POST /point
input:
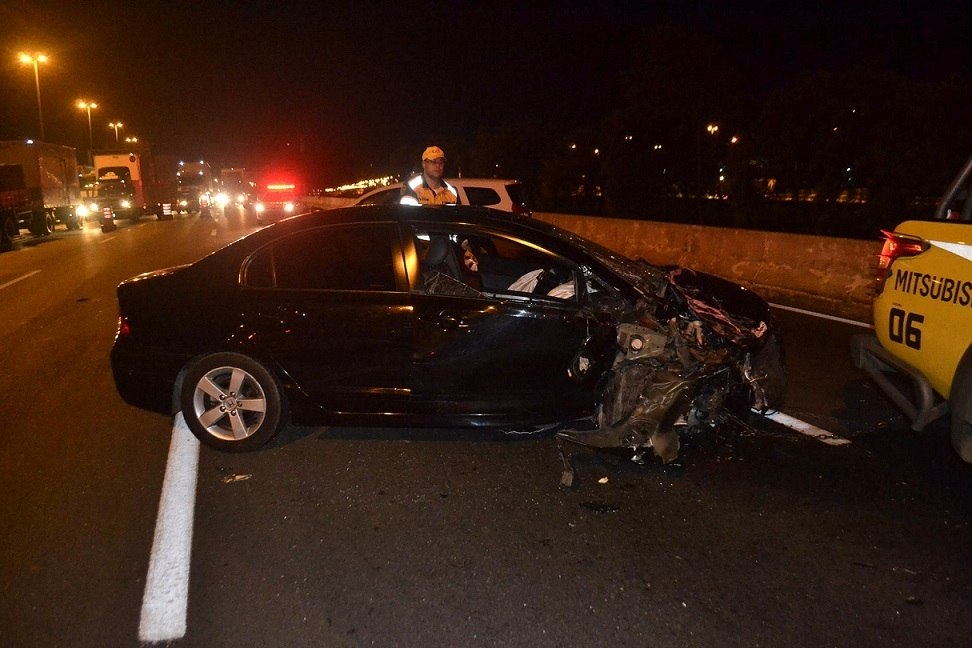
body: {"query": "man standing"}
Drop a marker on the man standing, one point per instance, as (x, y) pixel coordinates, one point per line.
(429, 188)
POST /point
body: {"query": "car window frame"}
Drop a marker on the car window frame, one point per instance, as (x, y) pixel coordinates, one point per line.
(417, 287)
(397, 260)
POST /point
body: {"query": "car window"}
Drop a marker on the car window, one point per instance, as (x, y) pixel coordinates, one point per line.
(459, 262)
(482, 196)
(387, 197)
(358, 257)
(516, 194)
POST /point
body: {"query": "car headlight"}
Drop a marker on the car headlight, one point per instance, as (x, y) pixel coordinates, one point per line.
(222, 199)
(258, 208)
(289, 207)
(241, 198)
(82, 212)
(183, 203)
(93, 207)
(126, 204)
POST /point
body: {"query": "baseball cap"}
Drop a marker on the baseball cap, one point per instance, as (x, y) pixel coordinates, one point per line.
(433, 153)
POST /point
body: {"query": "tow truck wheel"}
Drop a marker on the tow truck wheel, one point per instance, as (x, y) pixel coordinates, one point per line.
(960, 402)
(962, 438)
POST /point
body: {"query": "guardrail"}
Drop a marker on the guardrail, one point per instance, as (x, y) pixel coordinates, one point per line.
(820, 273)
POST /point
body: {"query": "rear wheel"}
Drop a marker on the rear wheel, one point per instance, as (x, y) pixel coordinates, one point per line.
(231, 402)
(41, 223)
(10, 228)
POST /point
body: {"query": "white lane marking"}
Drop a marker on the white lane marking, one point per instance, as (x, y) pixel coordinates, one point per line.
(822, 315)
(166, 598)
(807, 429)
(13, 281)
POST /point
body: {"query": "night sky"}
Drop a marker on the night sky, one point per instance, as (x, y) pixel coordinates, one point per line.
(239, 82)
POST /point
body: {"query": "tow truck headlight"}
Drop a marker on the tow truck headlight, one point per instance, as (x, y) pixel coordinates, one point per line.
(126, 204)
(258, 208)
(82, 212)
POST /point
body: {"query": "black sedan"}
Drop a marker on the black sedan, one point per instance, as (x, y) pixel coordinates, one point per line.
(453, 316)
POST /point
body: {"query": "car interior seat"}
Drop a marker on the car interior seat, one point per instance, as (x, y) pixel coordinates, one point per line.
(441, 257)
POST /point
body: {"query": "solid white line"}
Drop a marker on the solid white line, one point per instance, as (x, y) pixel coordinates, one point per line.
(13, 281)
(166, 598)
(822, 315)
(807, 429)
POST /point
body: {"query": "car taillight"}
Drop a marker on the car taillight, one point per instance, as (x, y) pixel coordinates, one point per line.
(895, 247)
(124, 330)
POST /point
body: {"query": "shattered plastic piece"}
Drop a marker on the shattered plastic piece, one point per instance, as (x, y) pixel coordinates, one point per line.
(229, 479)
(600, 508)
(602, 480)
(567, 476)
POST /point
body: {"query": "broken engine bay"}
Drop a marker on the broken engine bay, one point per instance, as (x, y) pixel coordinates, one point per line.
(684, 363)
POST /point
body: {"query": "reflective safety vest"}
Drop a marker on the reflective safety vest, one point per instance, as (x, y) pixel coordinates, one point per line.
(418, 192)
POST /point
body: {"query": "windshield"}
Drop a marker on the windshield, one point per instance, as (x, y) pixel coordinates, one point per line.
(113, 188)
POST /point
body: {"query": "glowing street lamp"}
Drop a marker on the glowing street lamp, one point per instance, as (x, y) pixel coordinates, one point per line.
(34, 59)
(86, 105)
(116, 126)
(131, 140)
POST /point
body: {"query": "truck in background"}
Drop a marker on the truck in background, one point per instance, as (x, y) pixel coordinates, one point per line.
(195, 186)
(39, 188)
(235, 188)
(127, 182)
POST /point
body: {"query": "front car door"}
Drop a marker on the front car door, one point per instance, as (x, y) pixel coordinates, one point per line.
(499, 343)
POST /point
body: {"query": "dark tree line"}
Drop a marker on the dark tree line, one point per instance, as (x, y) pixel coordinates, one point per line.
(841, 153)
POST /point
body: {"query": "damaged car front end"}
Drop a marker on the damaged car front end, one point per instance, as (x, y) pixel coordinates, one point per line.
(694, 352)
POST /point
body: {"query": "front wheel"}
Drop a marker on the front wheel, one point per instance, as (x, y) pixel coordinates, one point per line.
(232, 403)
(962, 437)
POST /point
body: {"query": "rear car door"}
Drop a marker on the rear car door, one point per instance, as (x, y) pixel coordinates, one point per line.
(335, 308)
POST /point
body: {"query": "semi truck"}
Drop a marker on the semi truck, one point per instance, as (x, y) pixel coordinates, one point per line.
(127, 182)
(39, 188)
(195, 186)
(234, 185)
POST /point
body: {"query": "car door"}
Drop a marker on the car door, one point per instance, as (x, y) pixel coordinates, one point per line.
(336, 314)
(487, 352)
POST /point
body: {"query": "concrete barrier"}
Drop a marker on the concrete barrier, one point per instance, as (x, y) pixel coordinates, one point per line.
(820, 273)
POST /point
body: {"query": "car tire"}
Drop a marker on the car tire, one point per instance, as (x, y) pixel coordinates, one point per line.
(11, 228)
(210, 398)
(962, 437)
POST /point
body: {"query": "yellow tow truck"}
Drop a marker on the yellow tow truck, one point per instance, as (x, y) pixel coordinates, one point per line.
(923, 316)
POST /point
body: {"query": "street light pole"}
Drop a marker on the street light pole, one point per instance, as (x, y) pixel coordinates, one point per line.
(35, 59)
(116, 126)
(87, 106)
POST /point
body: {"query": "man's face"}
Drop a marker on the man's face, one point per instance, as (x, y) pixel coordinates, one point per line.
(434, 168)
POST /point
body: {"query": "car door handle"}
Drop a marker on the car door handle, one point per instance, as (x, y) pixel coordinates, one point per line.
(450, 320)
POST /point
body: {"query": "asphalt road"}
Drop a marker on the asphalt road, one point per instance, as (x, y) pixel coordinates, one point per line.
(352, 537)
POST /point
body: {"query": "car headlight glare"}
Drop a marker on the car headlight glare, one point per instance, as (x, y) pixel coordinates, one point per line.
(126, 204)
(258, 208)
(289, 207)
(82, 211)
